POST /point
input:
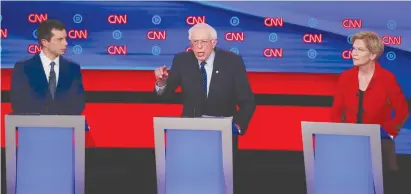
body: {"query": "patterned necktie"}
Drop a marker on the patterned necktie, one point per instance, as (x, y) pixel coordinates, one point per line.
(204, 75)
(52, 80)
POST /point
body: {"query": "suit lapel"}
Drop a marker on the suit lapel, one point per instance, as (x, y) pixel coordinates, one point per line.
(215, 75)
(195, 73)
(195, 65)
(37, 76)
(64, 79)
(214, 78)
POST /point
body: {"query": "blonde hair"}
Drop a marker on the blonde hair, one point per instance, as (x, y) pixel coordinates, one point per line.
(371, 40)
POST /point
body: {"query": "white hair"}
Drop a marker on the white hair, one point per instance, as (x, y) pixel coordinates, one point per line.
(212, 31)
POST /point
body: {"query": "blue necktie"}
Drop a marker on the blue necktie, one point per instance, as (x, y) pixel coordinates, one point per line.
(204, 75)
(52, 80)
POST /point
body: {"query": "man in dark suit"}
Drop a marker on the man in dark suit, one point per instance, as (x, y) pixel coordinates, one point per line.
(213, 82)
(47, 83)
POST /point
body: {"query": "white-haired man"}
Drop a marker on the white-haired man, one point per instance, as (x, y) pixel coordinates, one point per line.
(213, 82)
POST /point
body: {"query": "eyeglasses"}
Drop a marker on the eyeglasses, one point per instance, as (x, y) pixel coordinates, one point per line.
(200, 42)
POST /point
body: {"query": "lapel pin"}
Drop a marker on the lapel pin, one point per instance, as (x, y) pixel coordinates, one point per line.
(216, 71)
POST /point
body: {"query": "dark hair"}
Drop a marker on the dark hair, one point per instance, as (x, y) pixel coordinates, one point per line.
(45, 28)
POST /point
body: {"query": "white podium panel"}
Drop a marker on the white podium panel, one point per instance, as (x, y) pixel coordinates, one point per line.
(194, 155)
(49, 157)
(342, 158)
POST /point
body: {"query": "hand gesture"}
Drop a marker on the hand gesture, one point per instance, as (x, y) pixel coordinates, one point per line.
(161, 74)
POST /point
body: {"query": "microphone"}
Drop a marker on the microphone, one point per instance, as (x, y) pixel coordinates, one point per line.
(194, 114)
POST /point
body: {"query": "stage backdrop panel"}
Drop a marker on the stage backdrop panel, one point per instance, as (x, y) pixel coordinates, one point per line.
(270, 36)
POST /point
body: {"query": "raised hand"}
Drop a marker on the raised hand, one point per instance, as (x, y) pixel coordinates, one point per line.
(161, 74)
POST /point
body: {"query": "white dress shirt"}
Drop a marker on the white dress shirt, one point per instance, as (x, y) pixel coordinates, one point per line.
(209, 70)
(47, 67)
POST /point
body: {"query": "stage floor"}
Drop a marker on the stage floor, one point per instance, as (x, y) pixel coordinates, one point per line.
(132, 171)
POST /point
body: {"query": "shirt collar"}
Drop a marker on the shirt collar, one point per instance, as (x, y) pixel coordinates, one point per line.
(209, 60)
(46, 61)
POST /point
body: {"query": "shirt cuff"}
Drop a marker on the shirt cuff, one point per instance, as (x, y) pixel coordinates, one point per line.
(160, 90)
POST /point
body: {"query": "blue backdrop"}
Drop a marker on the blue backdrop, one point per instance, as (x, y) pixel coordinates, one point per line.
(93, 37)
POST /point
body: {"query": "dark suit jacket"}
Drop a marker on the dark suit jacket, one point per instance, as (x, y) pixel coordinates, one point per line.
(382, 96)
(229, 87)
(30, 93)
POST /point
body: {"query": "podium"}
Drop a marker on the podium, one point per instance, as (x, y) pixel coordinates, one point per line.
(47, 156)
(345, 158)
(193, 155)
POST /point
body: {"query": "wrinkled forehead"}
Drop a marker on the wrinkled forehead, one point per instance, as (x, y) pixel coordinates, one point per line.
(201, 34)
